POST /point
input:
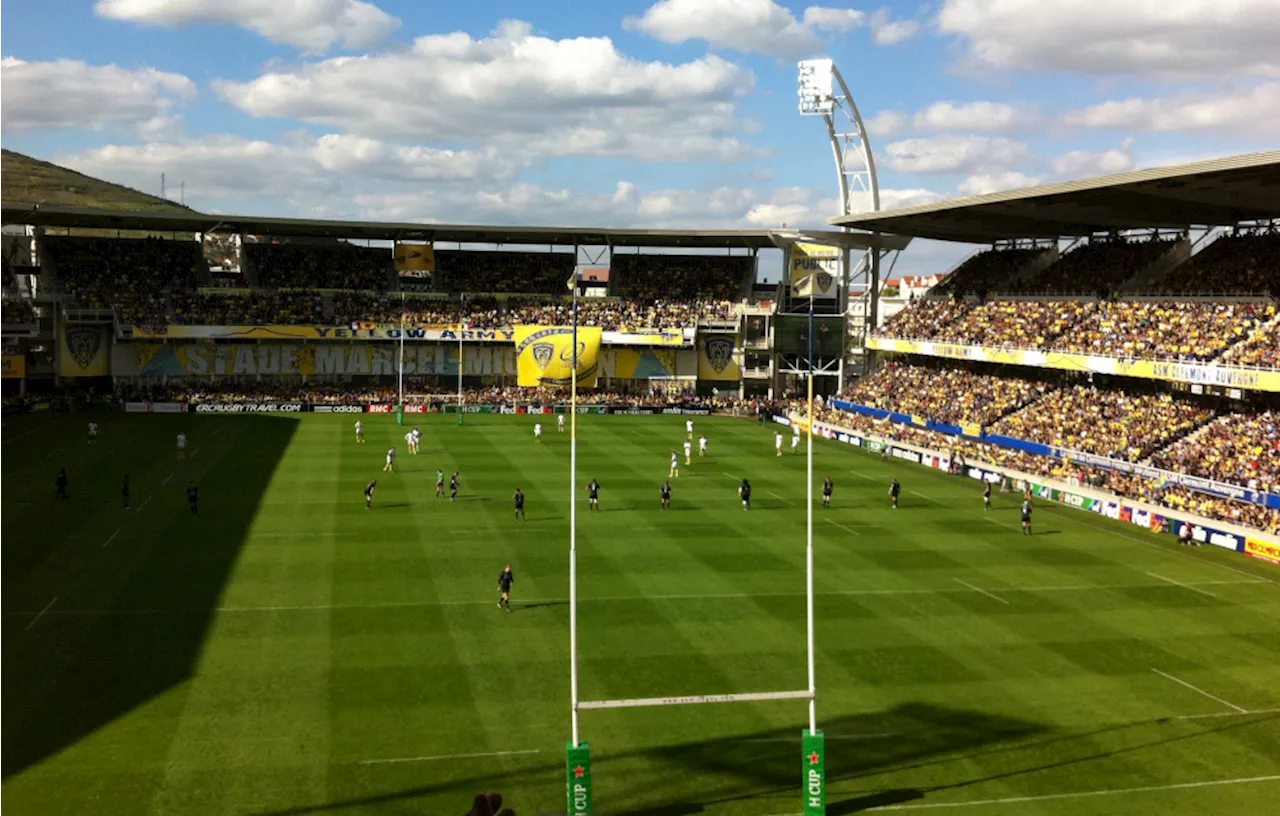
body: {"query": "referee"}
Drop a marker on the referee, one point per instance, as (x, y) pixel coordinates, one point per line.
(505, 580)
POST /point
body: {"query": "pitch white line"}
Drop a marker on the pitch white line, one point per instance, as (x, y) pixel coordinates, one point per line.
(144, 504)
(776, 496)
(448, 756)
(195, 452)
(862, 475)
(1200, 691)
(1072, 518)
(983, 591)
(1081, 794)
(1179, 583)
(41, 615)
(608, 599)
(727, 473)
(113, 537)
(1226, 714)
(921, 495)
(848, 530)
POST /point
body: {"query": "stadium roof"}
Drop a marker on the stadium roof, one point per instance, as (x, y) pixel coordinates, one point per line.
(1219, 192)
(79, 218)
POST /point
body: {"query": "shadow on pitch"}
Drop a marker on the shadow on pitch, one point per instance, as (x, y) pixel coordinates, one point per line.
(60, 688)
(764, 764)
(523, 607)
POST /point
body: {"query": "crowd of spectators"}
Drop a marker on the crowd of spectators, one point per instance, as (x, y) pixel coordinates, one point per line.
(1181, 331)
(986, 271)
(534, 273)
(1095, 268)
(618, 315)
(319, 266)
(1022, 323)
(951, 395)
(18, 311)
(133, 275)
(1241, 449)
(682, 278)
(1173, 496)
(1107, 423)
(924, 319)
(283, 307)
(1261, 350)
(1243, 263)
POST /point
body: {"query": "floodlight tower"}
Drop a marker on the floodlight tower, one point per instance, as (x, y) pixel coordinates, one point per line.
(823, 92)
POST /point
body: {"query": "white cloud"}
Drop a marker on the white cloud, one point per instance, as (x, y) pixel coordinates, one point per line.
(886, 31)
(760, 26)
(982, 183)
(955, 154)
(627, 206)
(228, 167)
(69, 95)
(1174, 38)
(516, 91)
(887, 123)
(968, 116)
(1084, 164)
(312, 25)
(1252, 113)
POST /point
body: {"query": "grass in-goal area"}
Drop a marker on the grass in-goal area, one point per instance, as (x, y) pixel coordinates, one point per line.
(288, 652)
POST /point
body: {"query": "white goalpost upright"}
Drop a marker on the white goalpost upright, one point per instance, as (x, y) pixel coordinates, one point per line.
(578, 752)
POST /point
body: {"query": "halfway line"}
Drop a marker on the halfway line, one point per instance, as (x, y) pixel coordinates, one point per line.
(166, 480)
(113, 537)
(447, 756)
(983, 591)
(1200, 691)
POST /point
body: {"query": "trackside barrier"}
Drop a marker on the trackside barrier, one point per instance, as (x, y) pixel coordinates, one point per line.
(1156, 519)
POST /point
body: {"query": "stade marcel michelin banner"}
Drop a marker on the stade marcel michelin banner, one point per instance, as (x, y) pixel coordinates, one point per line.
(545, 356)
(1217, 375)
(815, 270)
(444, 333)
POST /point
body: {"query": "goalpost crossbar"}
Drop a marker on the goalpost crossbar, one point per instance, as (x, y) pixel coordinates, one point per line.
(644, 702)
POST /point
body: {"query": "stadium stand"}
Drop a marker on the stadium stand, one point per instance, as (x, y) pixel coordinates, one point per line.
(1261, 350)
(1095, 268)
(985, 271)
(687, 278)
(924, 319)
(1245, 262)
(285, 307)
(514, 272)
(1023, 323)
(1241, 449)
(1104, 422)
(1181, 331)
(18, 311)
(133, 275)
(319, 266)
(949, 395)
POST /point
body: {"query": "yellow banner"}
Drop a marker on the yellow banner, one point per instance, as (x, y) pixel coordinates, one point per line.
(971, 429)
(544, 355)
(1263, 550)
(15, 366)
(449, 333)
(85, 351)
(1222, 376)
(716, 358)
(415, 260)
(815, 270)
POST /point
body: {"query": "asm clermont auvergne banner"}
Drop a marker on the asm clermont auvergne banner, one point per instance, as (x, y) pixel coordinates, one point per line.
(544, 355)
(716, 357)
(86, 350)
(815, 269)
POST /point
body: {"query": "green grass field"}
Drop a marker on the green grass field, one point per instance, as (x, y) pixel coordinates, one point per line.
(288, 652)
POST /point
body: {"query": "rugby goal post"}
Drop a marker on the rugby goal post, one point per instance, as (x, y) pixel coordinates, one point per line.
(578, 752)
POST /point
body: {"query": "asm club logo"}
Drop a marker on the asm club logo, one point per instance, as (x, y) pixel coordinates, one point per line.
(542, 354)
(719, 352)
(83, 342)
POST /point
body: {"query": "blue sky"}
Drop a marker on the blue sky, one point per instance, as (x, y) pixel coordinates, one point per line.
(677, 113)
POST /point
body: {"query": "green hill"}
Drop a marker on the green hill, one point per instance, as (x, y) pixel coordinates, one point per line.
(32, 181)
